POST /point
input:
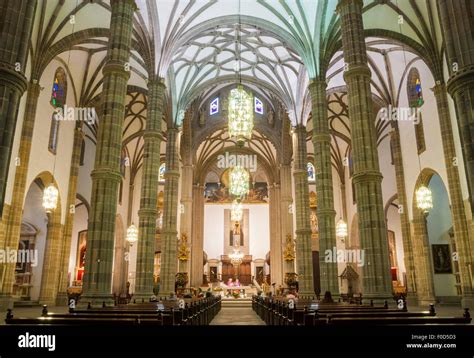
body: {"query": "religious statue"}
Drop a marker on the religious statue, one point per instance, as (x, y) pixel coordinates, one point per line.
(289, 253)
(183, 251)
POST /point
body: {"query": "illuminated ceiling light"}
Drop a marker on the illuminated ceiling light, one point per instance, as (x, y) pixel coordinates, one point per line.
(341, 229)
(236, 257)
(240, 115)
(132, 234)
(236, 211)
(239, 181)
(424, 198)
(50, 198)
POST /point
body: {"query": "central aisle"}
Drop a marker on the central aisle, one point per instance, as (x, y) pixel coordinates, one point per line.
(237, 314)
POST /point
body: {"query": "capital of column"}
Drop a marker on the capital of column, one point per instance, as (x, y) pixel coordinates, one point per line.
(152, 134)
(147, 212)
(367, 176)
(156, 81)
(439, 88)
(119, 2)
(302, 232)
(463, 78)
(116, 68)
(344, 3)
(169, 173)
(13, 79)
(321, 137)
(106, 174)
(357, 70)
(168, 232)
(326, 212)
(317, 85)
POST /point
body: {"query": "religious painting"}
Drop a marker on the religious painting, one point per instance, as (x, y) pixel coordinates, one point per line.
(219, 193)
(441, 259)
(311, 172)
(215, 193)
(258, 194)
(81, 254)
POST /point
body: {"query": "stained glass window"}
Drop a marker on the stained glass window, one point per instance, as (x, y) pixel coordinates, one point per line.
(214, 106)
(414, 90)
(161, 176)
(311, 172)
(258, 106)
(58, 92)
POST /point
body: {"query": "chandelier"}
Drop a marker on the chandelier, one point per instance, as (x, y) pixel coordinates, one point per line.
(424, 198)
(132, 234)
(341, 229)
(240, 114)
(236, 211)
(239, 181)
(50, 198)
(236, 257)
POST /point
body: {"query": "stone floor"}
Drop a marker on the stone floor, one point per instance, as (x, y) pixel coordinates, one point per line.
(242, 316)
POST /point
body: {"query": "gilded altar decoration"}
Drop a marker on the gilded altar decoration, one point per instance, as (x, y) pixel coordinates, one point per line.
(183, 251)
(291, 279)
(289, 253)
(182, 279)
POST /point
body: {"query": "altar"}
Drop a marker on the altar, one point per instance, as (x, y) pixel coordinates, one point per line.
(235, 291)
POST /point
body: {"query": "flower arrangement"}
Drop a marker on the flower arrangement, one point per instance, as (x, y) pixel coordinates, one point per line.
(236, 293)
(181, 279)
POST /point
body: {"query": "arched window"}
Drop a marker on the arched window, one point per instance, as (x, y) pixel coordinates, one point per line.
(258, 106)
(58, 100)
(214, 106)
(311, 172)
(414, 90)
(415, 100)
(162, 170)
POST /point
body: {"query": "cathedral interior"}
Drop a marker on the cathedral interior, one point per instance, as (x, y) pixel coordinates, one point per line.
(243, 154)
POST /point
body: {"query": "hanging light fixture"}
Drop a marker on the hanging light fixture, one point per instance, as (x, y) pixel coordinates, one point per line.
(424, 198)
(50, 198)
(236, 257)
(241, 102)
(341, 229)
(240, 115)
(239, 181)
(132, 234)
(236, 211)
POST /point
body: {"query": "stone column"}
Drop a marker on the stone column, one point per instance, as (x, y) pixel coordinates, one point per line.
(170, 215)
(304, 259)
(324, 187)
(16, 24)
(13, 224)
(367, 177)
(403, 211)
(423, 278)
(51, 261)
(460, 227)
(197, 238)
(187, 188)
(286, 196)
(457, 31)
(61, 298)
(106, 175)
(276, 257)
(148, 213)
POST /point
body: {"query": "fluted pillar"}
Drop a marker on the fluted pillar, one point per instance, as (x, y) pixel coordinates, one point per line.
(304, 259)
(197, 238)
(276, 257)
(13, 223)
(456, 22)
(97, 282)
(324, 187)
(16, 24)
(403, 211)
(148, 212)
(51, 261)
(367, 178)
(169, 232)
(460, 225)
(61, 298)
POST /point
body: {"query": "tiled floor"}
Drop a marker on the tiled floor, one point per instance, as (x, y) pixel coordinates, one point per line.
(242, 316)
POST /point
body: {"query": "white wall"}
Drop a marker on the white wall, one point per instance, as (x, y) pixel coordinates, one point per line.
(259, 230)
